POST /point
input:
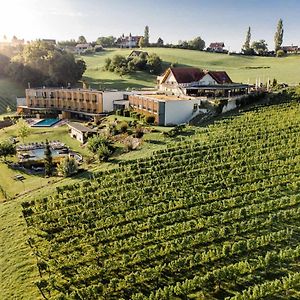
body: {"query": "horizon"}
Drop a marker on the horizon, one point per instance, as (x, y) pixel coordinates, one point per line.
(95, 18)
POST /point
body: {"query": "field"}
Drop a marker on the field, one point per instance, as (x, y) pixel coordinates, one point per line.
(212, 218)
(240, 68)
(8, 93)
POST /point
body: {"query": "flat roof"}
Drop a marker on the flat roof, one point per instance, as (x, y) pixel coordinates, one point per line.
(73, 90)
(164, 97)
(80, 127)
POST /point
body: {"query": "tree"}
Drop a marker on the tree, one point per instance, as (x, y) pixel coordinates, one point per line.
(48, 160)
(154, 64)
(142, 42)
(197, 43)
(278, 38)
(23, 129)
(159, 42)
(82, 40)
(42, 64)
(246, 47)
(103, 152)
(106, 41)
(67, 167)
(7, 148)
(260, 47)
(146, 36)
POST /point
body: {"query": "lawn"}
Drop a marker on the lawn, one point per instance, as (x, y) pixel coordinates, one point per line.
(240, 68)
(32, 182)
(8, 93)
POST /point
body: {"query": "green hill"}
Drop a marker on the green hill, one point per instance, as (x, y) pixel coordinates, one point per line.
(8, 93)
(209, 219)
(240, 68)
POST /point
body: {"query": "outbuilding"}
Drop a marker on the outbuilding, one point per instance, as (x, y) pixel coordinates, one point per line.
(80, 132)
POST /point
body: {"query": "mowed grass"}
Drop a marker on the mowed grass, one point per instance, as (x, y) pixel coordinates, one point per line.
(14, 188)
(8, 93)
(240, 68)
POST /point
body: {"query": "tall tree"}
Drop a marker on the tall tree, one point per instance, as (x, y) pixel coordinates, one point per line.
(146, 36)
(278, 38)
(48, 160)
(246, 46)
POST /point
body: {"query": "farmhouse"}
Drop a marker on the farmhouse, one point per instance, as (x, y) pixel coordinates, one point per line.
(196, 82)
(80, 48)
(80, 132)
(290, 49)
(128, 41)
(217, 47)
(69, 103)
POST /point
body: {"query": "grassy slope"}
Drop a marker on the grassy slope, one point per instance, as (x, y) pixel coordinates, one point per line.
(18, 271)
(8, 93)
(283, 69)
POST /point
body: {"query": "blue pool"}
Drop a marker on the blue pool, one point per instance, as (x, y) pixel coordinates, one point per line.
(46, 123)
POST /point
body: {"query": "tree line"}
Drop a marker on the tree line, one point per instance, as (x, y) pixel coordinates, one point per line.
(40, 63)
(260, 47)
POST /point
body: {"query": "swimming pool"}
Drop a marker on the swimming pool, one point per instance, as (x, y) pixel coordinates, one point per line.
(46, 123)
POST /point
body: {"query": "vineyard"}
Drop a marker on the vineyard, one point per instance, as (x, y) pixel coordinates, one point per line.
(216, 218)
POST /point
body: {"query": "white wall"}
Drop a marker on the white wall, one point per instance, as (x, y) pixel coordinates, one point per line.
(78, 135)
(108, 100)
(179, 111)
(171, 79)
(207, 79)
(230, 106)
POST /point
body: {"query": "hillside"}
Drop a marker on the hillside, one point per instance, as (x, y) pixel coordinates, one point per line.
(209, 219)
(240, 68)
(8, 93)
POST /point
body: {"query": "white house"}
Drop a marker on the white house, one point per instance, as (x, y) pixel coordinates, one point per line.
(80, 48)
(80, 132)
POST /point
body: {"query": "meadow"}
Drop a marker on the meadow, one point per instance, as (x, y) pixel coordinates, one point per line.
(212, 218)
(240, 68)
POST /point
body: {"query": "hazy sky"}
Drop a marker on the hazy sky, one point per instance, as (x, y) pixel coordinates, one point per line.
(218, 20)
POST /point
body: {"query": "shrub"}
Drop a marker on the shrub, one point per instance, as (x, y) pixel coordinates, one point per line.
(131, 143)
(150, 119)
(139, 132)
(67, 167)
(103, 152)
(280, 53)
(123, 127)
(126, 113)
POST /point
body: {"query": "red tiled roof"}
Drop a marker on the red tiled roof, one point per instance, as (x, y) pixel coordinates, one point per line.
(220, 77)
(289, 48)
(187, 75)
(217, 45)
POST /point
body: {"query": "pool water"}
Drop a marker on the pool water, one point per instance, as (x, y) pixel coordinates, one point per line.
(38, 154)
(46, 123)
